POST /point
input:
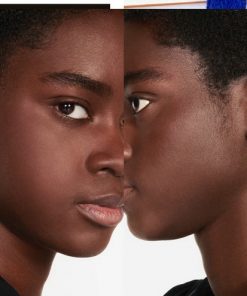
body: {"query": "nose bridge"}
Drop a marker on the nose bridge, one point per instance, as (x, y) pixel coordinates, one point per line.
(108, 156)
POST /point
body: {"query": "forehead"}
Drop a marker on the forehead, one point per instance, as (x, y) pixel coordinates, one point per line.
(90, 42)
(142, 53)
(91, 45)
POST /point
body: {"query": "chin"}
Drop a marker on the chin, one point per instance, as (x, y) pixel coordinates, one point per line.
(87, 245)
(142, 231)
(82, 252)
(155, 231)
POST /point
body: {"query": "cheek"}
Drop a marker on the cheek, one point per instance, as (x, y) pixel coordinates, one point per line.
(39, 170)
(36, 161)
(41, 173)
(184, 172)
(29, 185)
(39, 153)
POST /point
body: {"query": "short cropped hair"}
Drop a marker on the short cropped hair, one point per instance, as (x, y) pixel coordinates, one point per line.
(219, 37)
(31, 26)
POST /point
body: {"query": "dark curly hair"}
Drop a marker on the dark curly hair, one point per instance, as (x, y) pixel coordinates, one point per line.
(31, 25)
(219, 37)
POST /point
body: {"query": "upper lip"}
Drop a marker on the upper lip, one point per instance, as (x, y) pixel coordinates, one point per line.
(108, 200)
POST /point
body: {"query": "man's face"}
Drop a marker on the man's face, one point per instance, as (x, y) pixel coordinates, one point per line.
(182, 158)
(61, 144)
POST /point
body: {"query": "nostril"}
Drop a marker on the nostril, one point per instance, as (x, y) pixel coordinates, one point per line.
(122, 122)
(106, 163)
(106, 170)
(110, 171)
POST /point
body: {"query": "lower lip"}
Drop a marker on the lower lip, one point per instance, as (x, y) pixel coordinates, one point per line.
(104, 216)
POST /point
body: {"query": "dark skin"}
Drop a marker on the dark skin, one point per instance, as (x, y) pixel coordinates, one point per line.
(185, 157)
(50, 159)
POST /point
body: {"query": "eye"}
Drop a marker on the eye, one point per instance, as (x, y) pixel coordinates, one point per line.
(138, 104)
(72, 110)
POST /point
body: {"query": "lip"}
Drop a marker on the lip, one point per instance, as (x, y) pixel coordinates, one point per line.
(104, 210)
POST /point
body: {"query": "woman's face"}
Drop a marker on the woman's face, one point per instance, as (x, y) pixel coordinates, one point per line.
(183, 161)
(61, 144)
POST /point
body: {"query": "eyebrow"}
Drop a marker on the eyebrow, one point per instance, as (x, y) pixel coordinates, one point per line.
(143, 75)
(79, 80)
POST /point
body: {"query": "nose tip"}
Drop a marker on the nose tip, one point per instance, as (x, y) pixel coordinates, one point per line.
(108, 154)
(127, 152)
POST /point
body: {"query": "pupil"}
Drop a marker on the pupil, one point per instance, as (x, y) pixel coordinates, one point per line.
(66, 108)
(135, 104)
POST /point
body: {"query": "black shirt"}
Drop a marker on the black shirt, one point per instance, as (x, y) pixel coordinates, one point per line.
(6, 289)
(193, 288)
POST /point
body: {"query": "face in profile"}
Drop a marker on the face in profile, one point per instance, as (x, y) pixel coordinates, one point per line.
(182, 164)
(61, 143)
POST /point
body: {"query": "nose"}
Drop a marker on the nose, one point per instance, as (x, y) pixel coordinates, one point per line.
(107, 158)
(127, 135)
(127, 151)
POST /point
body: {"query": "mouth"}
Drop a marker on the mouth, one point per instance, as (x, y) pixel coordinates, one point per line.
(105, 211)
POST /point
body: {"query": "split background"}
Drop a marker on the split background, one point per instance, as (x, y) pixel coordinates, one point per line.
(128, 266)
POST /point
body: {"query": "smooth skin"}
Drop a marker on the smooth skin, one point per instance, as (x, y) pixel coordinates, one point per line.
(185, 157)
(61, 143)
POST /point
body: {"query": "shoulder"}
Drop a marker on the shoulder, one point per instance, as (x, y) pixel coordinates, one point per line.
(196, 287)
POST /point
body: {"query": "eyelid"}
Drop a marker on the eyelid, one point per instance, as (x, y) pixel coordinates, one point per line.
(72, 100)
(76, 114)
(140, 98)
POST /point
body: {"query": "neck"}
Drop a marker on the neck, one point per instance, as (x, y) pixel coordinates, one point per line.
(223, 245)
(23, 265)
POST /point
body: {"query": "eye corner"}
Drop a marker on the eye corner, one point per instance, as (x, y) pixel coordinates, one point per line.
(72, 110)
(138, 103)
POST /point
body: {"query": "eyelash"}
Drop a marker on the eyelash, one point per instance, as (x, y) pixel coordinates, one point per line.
(75, 103)
(140, 98)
